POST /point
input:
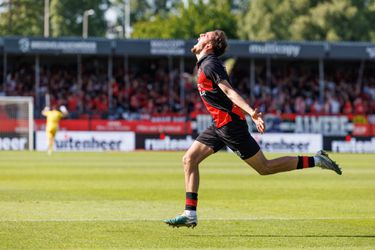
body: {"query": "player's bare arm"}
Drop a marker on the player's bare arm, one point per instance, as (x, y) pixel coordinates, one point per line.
(45, 110)
(63, 110)
(255, 115)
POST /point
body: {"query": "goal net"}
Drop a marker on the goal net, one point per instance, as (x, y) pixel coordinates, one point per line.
(16, 123)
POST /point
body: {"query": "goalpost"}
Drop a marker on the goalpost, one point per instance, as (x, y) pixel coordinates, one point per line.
(16, 123)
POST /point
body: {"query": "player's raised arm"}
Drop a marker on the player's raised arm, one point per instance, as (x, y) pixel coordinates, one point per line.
(63, 110)
(255, 115)
(45, 110)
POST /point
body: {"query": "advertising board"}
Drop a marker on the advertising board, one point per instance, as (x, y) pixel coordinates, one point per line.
(163, 142)
(88, 141)
(13, 142)
(289, 143)
(348, 144)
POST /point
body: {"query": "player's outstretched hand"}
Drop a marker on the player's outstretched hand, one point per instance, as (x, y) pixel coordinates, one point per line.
(258, 120)
(63, 109)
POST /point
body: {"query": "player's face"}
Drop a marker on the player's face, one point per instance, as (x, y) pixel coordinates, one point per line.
(203, 40)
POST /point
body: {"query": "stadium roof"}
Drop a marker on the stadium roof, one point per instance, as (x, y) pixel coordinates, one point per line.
(181, 48)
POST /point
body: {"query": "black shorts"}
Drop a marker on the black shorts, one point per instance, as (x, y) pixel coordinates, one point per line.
(235, 135)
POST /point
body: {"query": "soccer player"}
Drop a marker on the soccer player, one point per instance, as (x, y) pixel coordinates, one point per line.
(52, 124)
(230, 129)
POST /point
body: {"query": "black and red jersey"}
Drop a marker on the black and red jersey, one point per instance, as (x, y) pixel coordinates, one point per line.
(211, 72)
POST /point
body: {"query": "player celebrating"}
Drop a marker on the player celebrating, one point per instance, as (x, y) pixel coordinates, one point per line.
(230, 129)
(52, 124)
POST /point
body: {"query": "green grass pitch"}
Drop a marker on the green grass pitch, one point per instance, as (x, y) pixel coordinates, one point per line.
(118, 200)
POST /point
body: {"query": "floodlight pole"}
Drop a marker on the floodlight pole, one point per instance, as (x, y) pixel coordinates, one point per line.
(46, 18)
(85, 28)
(252, 80)
(126, 29)
(321, 81)
(5, 66)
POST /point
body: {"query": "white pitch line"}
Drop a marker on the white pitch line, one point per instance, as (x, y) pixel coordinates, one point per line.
(204, 219)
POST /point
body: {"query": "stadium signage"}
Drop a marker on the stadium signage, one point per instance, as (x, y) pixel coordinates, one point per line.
(61, 46)
(289, 143)
(354, 146)
(89, 141)
(13, 143)
(354, 51)
(347, 144)
(143, 127)
(56, 46)
(327, 125)
(167, 47)
(169, 143)
(275, 49)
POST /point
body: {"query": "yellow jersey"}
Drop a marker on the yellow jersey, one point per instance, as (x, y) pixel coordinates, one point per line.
(53, 118)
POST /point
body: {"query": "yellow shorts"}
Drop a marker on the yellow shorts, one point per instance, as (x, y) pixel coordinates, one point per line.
(51, 132)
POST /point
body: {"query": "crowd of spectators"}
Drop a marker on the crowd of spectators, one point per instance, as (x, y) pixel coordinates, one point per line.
(150, 89)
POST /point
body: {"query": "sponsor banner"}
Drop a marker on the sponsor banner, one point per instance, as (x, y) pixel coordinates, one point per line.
(142, 127)
(14, 126)
(88, 141)
(12, 141)
(34, 45)
(244, 49)
(167, 47)
(333, 125)
(326, 125)
(289, 143)
(355, 51)
(348, 144)
(291, 50)
(161, 142)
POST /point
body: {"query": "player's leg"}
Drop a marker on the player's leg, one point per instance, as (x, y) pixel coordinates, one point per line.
(206, 144)
(237, 137)
(265, 167)
(287, 163)
(50, 140)
(193, 156)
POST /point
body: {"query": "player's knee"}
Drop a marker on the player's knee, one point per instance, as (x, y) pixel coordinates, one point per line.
(264, 169)
(188, 162)
(263, 172)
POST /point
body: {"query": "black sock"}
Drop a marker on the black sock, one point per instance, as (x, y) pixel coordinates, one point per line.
(305, 162)
(191, 201)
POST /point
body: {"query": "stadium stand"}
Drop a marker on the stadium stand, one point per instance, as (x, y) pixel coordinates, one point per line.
(286, 77)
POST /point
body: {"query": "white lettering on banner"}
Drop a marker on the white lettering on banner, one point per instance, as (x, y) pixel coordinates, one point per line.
(163, 47)
(354, 146)
(88, 141)
(287, 50)
(168, 144)
(290, 143)
(158, 129)
(13, 143)
(284, 146)
(26, 45)
(89, 144)
(327, 125)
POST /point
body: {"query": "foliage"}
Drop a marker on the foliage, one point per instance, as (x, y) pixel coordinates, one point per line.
(22, 17)
(332, 20)
(25, 17)
(66, 17)
(190, 21)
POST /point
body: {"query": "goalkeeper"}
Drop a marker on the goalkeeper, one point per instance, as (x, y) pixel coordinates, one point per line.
(52, 124)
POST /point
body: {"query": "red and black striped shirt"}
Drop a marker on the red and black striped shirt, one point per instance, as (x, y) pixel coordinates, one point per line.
(211, 72)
